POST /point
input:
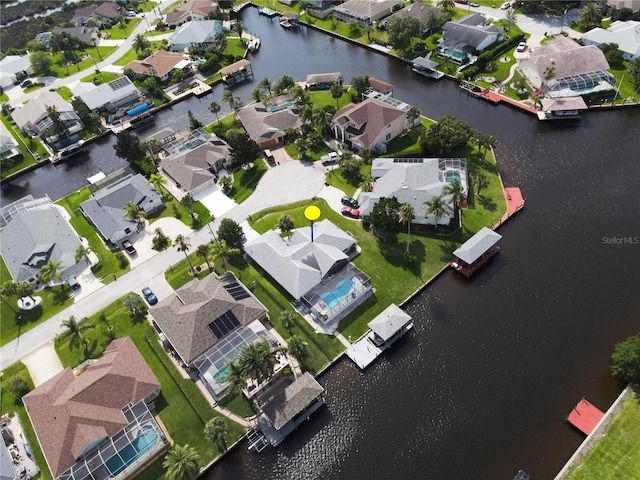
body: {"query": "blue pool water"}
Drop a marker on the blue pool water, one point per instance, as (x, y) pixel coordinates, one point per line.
(455, 54)
(281, 107)
(449, 176)
(333, 299)
(145, 441)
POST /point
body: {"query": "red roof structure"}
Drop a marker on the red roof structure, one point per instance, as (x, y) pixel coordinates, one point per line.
(585, 416)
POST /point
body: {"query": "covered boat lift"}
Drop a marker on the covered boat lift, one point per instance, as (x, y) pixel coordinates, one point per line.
(476, 251)
(427, 68)
(236, 72)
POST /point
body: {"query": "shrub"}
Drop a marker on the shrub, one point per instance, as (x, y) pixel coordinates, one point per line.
(122, 260)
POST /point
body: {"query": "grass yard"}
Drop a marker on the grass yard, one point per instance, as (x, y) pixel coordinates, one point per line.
(65, 93)
(33, 87)
(617, 455)
(132, 55)
(336, 179)
(245, 181)
(117, 32)
(317, 149)
(91, 57)
(26, 146)
(103, 77)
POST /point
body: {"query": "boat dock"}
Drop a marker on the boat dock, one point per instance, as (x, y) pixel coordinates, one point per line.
(267, 12)
(494, 97)
(585, 416)
(385, 329)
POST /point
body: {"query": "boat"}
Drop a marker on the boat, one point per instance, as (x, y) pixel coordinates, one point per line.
(142, 119)
(284, 23)
(253, 45)
(67, 152)
(267, 12)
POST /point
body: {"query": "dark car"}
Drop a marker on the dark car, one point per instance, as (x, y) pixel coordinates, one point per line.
(149, 296)
(350, 212)
(350, 202)
(73, 282)
(131, 250)
(26, 83)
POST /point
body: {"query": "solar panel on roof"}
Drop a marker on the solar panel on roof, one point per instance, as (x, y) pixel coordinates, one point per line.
(224, 324)
(119, 83)
(236, 290)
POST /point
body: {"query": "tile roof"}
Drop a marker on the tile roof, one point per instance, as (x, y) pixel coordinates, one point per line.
(370, 117)
(185, 317)
(69, 413)
(262, 125)
(160, 61)
(417, 10)
(293, 400)
(567, 57)
(108, 10)
(201, 7)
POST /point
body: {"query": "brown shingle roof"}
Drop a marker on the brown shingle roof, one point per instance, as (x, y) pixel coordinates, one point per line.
(69, 413)
(185, 317)
(568, 58)
(160, 61)
(295, 398)
(202, 7)
(372, 114)
(379, 85)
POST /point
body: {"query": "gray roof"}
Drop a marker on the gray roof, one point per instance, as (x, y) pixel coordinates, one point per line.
(425, 63)
(262, 125)
(315, 78)
(34, 236)
(625, 34)
(417, 10)
(106, 208)
(562, 104)
(389, 322)
(12, 64)
(108, 93)
(196, 32)
(367, 8)
(36, 109)
(6, 465)
(185, 317)
(476, 246)
(469, 31)
(293, 400)
(298, 264)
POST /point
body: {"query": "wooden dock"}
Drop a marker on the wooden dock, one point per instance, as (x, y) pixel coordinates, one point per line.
(495, 97)
(585, 416)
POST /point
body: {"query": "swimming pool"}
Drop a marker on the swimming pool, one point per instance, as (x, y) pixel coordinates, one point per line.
(450, 175)
(333, 299)
(146, 439)
(281, 107)
(455, 54)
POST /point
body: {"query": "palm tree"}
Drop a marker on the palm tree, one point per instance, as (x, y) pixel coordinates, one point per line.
(8, 289)
(140, 43)
(220, 249)
(215, 430)
(256, 361)
(187, 202)
(160, 241)
(203, 251)
(50, 270)
(25, 289)
(303, 145)
(256, 94)
(437, 208)
(297, 347)
(305, 112)
(183, 244)
(366, 184)
(74, 331)
(133, 211)
(285, 224)
(406, 213)
(157, 180)
(287, 318)
(135, 305)
(239, 29)
(446, 5)
(234, 375)
(230, 98)
(480, 181)
(265, 84)
(214, 107)
(182, 463)
(455, 190)
(322, 120)
(590, 15)
(336, 92)
(82, 253)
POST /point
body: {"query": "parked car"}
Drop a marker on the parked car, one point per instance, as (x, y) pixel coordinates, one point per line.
(72, 282)
(131, 250)
(149, 296)
(26, 83)
(269, 157)
(349, 202)
(505, 6)
(473, 4)
(522, 47)
(330, 159)
(350, 212)
(464, 2)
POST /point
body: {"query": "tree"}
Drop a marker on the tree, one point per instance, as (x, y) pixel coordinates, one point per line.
(446, 5)
(231, 99)
(157, 181)
(82, 253)
(256, 94)
(239, 29)
(244, 150)
(455, 190)
(265, 84)
(74, 331)
(89, 118)
(549, 72)
(406, 213)
(285, 224)
(135, 305)
(337, 91)
(511, 17)
(590, 15)
(322, 120)
(203, 251)
(297, 347)
(17, 385)
(401, 32)
(256, 360)
(182, 463)
(366, 183)
(183, 244)
(436, 207)
(50, 270)
(413, 116)
(59, 127)
(285, 82)
(349, 166)
(187, 202)
(612, 53)
(626, 359)
(134, 212)
(215, 431)
(160, 241)
(231, 232)
(9, 288)
(25, 289)
(634, 71)
(234, 376)
(214, 107)
(360, 83)
(220, 249)
(303, 145)
(194, 123)
(287, 318)
(449, 134)
(480, 182)
(129, 147)
(384, 218)
(140, 43)
(226, 183)
(40, 62)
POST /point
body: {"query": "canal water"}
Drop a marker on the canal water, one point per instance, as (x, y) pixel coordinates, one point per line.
(482, 386)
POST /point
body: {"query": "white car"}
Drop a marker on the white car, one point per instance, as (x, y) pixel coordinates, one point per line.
(506, 6)
(522, 47)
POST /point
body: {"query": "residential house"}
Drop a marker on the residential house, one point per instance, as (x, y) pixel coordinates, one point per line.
(86, 35)
(107, 13)
(37, 232)
(381, 86)
(415, 181)
(89, 422)
(194, 159)
(323, 81)
(33, 115)
(563, 68)
(105, 210)
(265, 122)
(7, 469)
(612, 6)
(364, 12)
(13, 66)
(468, 37)
(81, 15)
(625, 34)
(8, 145)
(108, 97)
(373, 123)
(418, 10)
(207, 321)
(198, 34)
(191, 10)
(160, 64)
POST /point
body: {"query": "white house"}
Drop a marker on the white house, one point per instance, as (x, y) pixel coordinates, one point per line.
(12, 65)
(192, 10)
(33, 115)
(109, 96)
(200, 34)
(625, 34)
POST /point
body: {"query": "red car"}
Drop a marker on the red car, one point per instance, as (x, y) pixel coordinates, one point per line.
(464, 2)
(351, 212)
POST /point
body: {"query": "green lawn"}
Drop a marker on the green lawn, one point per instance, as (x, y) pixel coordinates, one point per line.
(65, 93)
(109, 263)
(118, 33)
(171, 7)
(33, 87)
(25, 146)
(245, 181)
(336, 179)
(92, 56)
(132, 55)
(617, 455)
(103, 77)
(317, 150)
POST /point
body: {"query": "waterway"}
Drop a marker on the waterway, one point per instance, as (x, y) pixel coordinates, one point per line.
(482, 386)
